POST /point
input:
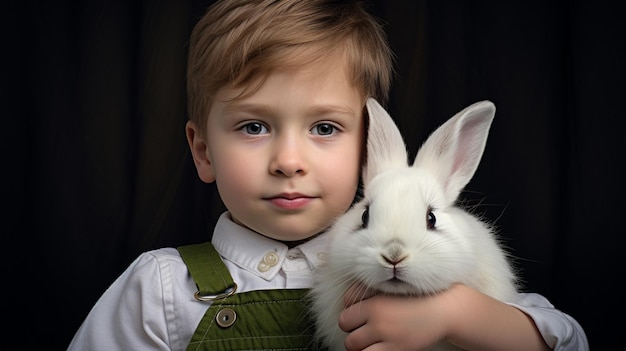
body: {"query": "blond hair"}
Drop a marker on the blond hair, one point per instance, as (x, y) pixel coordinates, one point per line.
(241, 41)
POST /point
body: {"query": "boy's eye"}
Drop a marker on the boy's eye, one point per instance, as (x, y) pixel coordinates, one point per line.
(254, 128)
(323, 129)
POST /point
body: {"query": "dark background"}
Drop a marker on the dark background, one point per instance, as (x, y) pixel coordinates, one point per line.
(97, 167)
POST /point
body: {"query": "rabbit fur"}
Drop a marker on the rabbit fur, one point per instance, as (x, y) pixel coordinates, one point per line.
(407, 235)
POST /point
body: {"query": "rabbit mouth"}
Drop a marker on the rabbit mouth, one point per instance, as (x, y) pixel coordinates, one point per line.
(396, 285)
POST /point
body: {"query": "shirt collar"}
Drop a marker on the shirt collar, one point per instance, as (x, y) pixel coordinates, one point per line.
(259, 254)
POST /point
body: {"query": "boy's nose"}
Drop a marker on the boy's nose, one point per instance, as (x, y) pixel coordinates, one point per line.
(288, 159)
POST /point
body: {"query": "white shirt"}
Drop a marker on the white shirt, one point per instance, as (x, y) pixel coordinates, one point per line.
(151, 305)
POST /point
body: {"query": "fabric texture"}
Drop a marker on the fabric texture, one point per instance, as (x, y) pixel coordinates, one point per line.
(256, 320)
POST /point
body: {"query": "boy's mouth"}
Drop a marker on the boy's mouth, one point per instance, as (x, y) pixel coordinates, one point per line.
(290, 201)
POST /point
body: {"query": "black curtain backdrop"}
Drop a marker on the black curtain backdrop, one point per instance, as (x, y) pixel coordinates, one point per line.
(99, 171)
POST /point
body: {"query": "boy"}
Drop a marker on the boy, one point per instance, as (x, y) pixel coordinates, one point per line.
(277, 91)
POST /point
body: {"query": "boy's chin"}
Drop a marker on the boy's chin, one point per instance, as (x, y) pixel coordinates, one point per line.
(290, 230)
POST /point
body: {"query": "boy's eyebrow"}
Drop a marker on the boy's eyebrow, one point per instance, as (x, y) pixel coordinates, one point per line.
(247, 107)
(332, 109)
(315, 110)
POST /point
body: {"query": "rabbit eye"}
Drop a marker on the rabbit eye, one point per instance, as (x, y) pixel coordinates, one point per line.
(365, 217)
(431, 220)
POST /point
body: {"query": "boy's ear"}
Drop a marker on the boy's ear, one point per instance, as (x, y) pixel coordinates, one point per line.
(199, 152)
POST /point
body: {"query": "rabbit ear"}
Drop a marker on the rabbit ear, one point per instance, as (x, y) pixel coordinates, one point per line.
(385, 146)
(454, 150)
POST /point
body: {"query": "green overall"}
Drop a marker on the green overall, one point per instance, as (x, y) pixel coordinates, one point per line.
(253, 320)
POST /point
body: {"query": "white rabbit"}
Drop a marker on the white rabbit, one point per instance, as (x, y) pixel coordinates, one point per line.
(407, 235)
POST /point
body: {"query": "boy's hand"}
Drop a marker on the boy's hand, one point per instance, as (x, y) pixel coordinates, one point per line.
(462, 315)
(391, 322)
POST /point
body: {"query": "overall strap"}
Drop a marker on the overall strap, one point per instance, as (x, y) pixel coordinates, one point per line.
(275, 319)
(203, 258)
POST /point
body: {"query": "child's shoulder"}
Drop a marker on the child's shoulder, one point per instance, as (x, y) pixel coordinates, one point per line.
(160, 253)
(158, 269)
(157, 259)
(171, 258)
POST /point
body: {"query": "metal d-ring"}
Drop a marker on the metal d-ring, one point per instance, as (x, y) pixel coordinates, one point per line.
(223, 295)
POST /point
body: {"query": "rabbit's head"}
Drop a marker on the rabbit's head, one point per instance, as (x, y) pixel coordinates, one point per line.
(406, 236)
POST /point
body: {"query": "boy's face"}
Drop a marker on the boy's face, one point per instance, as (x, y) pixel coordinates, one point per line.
(286, 159)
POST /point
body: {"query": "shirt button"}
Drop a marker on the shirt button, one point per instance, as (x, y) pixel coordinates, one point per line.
(321, 256)
(271, 259)
(263, 267)
(225, 317)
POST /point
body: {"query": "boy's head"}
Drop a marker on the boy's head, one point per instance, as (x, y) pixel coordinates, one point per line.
(240, 42)
(276, 103)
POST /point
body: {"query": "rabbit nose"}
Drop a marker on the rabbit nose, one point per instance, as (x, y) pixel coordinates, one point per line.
(394, 259)
(394, 254)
